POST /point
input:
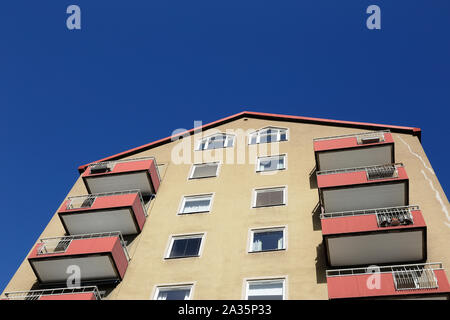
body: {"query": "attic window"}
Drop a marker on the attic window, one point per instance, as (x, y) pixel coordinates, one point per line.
(216, 141)
(268, 135)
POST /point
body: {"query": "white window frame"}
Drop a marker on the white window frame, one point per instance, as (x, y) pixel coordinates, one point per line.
(255, 191)
(166, 287)
(173, 238)
(262, 280)
(258, 135)
(208, 140)
(187, 197)
(258, 162)
(252, 232)
(191, 172)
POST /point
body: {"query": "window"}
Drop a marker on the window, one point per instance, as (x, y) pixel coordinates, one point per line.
(267, 239)
(269, 197)
(265, 289)
(196, 204)
(271, 163)
(268, 135)
(204, 170)
(173, 293)
(185, 246)
(216, 141)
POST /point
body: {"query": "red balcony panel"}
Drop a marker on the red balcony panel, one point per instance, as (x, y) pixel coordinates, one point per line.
(351, 189)
(99, 258)
(360, 239)
(356, 286)
(354, 178)
(345, 151)
(365, 223)
(122, 212)
(73, 296)
(122, 175)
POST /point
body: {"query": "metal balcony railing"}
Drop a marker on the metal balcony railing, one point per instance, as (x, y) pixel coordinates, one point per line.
(60, 244)
(415, 278)
(362, 138)
(405, 277)
(372, 172)
(36, 294)
(386, 217)
(86, 201)
(106, 166)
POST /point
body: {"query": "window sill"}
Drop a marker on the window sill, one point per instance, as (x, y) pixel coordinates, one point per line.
(269, 206)
(272, 250)
(174, 258)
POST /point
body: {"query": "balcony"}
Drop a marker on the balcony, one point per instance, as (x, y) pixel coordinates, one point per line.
(101, 258)
(411, 281)
(374, 236)
(78, 293)
(105, 212)
(354, 150)
(131, 174)
(363, 188)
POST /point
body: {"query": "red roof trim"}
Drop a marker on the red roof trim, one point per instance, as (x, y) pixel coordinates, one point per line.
(261, 115)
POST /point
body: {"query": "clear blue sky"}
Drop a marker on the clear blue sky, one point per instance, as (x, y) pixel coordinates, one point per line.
(139, 69)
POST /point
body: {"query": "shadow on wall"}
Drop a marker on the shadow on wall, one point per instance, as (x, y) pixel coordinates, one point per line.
(321, 268)
(317, 225)
(313, 179)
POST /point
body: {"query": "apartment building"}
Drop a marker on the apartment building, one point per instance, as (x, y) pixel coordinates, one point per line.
(253, 206)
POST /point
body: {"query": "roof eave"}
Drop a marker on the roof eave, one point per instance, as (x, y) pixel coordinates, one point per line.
(260, 115)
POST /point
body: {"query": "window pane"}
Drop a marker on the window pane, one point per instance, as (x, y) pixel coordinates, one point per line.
(270, 240)
(193, 246)
(196, 205)
(174, 294)
(269, 290)
(185, 247)
(205, 170)
(216, 142)
(230, 141)
(178, 248)
(253, 138)
(269, 197)
(267, 138)
(272, 163)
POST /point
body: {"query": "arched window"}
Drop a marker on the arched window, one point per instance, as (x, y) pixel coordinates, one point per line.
(216, 141)
(267, 135)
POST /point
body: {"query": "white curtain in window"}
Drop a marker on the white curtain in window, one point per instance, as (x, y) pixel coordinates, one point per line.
(280, 243)
(162, 295)
(257, 245)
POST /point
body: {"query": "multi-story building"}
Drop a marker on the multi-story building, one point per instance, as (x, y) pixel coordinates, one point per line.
(253, 206)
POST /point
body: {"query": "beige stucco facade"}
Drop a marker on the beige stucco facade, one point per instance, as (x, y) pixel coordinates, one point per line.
(224, 265)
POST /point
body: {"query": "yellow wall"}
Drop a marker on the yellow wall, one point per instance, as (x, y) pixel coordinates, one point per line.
(224, 264)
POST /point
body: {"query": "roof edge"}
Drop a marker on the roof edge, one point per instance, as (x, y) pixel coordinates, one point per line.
(268, 116)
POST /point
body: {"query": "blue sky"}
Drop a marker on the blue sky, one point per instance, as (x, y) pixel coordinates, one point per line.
(139, 69)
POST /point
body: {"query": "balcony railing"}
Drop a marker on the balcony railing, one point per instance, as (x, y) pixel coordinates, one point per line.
(107, 166)
(362, 138)
(386, 217)
(60, 244)
(37, 294)
(405, 277)
(378, 172)
(86, 201)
